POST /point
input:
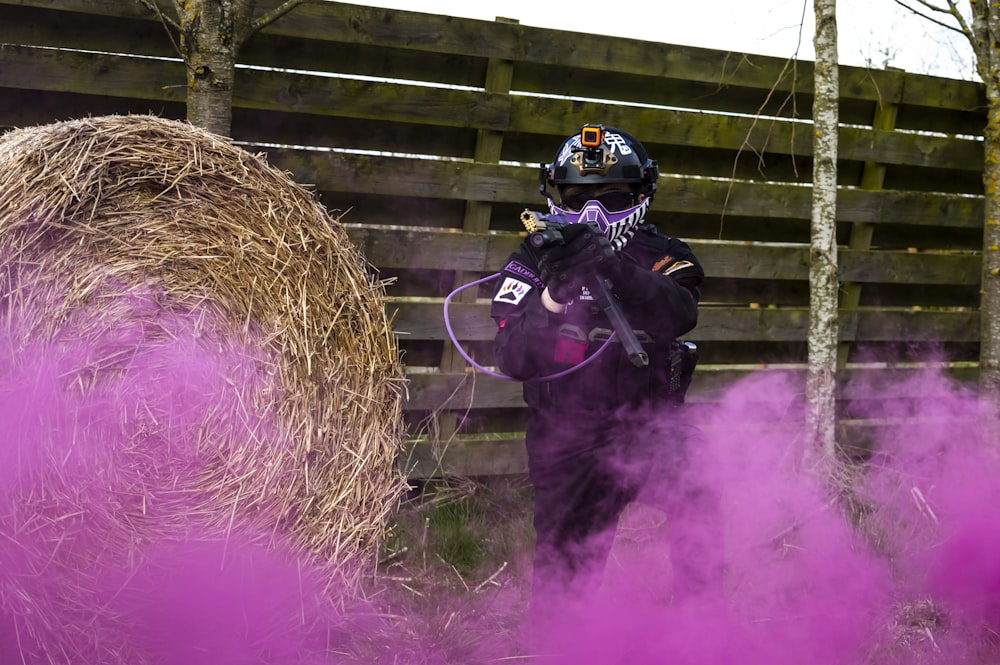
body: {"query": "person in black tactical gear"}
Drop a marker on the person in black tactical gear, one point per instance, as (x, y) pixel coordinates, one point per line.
(613, 430)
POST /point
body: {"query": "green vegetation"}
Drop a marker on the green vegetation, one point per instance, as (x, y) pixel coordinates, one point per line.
(471, 527)
(453, 581)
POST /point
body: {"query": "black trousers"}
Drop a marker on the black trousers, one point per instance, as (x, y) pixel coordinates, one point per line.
(587, 466)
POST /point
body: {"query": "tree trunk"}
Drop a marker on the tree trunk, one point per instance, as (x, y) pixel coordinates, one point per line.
(209, 30)
(989, 302)
(823, 277)
(987, 21)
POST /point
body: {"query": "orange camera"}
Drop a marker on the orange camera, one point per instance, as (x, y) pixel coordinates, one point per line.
(591, 136)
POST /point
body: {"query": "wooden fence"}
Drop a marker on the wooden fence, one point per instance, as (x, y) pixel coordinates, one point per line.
(426, 131)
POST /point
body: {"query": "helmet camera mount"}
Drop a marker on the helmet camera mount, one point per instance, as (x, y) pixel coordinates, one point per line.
(592, 156)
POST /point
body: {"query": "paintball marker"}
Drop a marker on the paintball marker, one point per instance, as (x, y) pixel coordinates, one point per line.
(544, 231)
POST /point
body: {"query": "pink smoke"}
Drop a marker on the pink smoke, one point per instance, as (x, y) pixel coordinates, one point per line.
(918, 583)
(112, 549)
(918, 580)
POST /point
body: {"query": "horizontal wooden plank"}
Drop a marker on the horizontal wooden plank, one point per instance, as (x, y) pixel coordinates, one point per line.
(872, 325)
(906, 148)
(755, 136)
(503, 452)
(460, 391)
(462, 456)
(123, 8)
(407, 177)
(468, 390)
(350, 98)
(515, 42)
(489, 456)
(116, 30)
(465, 180)
(39, 107)
(424, 320)
(764, 261)
(732, 97)
(404, 247)
(477, 390)
(159, 79)
(432, 249)
(91, 73)
(24, 107)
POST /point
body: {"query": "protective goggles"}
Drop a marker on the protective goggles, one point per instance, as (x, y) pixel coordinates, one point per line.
(613, 200)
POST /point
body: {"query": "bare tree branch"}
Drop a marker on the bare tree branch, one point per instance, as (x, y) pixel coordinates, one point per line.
(926, 3)
(957, 15)
(951, 11)
(164, 19)
(167, 23)
(274, 15)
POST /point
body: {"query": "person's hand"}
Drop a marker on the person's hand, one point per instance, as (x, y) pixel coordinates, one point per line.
(566, 268)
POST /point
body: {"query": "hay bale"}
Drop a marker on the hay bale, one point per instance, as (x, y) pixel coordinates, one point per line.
(191, 349)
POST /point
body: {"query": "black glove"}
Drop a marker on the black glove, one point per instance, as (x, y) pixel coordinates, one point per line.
(567, 266)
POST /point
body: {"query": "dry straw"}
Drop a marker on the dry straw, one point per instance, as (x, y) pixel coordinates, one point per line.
(155, 233)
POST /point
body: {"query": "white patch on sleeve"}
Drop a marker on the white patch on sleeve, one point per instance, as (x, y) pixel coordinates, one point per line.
(680, 265)
(512, 291)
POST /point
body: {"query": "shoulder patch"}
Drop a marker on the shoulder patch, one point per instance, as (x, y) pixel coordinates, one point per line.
(680, 265)
(512, 291)
(521, 270)
(658, 266)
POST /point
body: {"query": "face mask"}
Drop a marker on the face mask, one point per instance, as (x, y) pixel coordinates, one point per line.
(617, 226)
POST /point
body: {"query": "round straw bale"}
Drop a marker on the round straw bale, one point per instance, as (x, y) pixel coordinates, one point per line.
(190, 349)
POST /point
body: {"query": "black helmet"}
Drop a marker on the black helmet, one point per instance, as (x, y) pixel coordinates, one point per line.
(599, 155)
(602, 156)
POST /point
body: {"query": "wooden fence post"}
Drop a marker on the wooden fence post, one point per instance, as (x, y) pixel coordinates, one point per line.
(872, 178)
(499, 74)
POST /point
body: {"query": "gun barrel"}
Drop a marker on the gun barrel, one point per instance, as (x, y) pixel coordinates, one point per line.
(630, 342)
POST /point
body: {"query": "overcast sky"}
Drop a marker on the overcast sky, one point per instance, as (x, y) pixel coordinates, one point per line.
(875, 32)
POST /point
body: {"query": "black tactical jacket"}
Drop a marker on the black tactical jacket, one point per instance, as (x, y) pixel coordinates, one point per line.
(658, 292)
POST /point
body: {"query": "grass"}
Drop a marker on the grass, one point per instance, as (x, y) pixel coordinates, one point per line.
(475, 532)
(453, 580)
